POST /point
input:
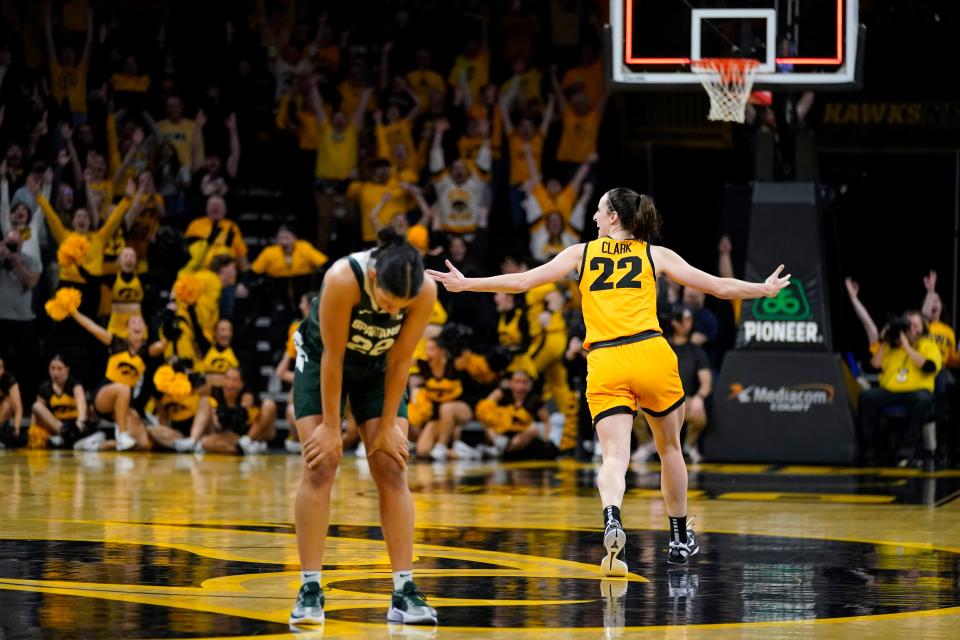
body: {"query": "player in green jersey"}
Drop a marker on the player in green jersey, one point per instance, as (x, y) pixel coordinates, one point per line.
(357, 343)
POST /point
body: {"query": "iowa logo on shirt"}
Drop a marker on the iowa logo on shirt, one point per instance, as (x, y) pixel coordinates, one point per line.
(128, 295)
(128, 370)
(218, 365)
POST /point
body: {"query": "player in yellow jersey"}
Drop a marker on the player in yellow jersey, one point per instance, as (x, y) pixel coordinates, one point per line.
(630, 364)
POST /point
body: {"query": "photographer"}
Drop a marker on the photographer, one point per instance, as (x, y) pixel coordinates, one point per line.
(908, 361)
(19, 274)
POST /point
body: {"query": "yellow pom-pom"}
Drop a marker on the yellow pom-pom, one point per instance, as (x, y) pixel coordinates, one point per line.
(73, 250)
(64, 303)
(187, 289)
(171, 383)
(420, 410)
(69, 298)
(54, 310)
(163, 378)
(37, 437)
(180, 387)
(477, 367)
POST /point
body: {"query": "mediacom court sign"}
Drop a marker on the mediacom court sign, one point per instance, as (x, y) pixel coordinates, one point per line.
(793, 399)
(777, 407)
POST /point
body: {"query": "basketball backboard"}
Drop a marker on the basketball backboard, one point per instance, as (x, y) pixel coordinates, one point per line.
(798, 43)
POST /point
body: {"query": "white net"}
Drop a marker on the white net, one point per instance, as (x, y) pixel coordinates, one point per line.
(728, 82)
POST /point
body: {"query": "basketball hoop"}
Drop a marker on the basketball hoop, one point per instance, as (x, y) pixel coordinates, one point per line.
(728, 82)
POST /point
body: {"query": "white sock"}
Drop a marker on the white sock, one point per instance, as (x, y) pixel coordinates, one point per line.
(309, 576)
(401, 578)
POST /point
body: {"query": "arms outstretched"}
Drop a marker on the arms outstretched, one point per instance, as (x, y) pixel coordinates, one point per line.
(667, 261)
(677, 269)
(564, 262)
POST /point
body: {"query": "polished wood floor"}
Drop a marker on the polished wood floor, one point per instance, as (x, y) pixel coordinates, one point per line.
(176, 546)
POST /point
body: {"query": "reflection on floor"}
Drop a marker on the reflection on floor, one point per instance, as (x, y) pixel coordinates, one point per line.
(720, 482)
(153, 546)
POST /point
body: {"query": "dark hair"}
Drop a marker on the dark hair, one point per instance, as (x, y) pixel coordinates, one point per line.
(380, 163)
(399, 265)
(454, 338)
(901, 324)
(181, 365)
(680, 312)
(59, 358)
(221, 261)
(638, 213)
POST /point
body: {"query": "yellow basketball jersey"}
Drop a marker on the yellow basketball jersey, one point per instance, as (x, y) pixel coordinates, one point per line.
(618, 285)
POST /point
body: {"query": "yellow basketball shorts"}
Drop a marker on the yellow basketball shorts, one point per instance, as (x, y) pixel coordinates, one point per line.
(620, 378)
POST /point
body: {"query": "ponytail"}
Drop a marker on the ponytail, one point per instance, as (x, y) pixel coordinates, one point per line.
(399, 265)
(637, 211)
(648, 223)
(387, 237)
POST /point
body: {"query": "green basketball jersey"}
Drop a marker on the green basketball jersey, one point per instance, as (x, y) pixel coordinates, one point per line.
(372, 330)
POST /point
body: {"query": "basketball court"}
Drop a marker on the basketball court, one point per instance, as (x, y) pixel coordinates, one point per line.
(96, 545)
(186, 547)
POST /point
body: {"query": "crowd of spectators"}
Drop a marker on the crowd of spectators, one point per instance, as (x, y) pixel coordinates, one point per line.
(135, 265)
(915, 354)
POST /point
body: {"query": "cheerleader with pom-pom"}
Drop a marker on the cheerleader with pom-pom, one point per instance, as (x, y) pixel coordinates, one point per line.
(81, 248)
(125, 367)
(181, 409)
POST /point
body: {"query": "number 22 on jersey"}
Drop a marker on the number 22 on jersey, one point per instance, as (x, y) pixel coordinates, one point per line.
(606, 267)
(618, 284)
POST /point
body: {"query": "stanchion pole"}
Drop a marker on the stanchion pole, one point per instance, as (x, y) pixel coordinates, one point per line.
(956, 237)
